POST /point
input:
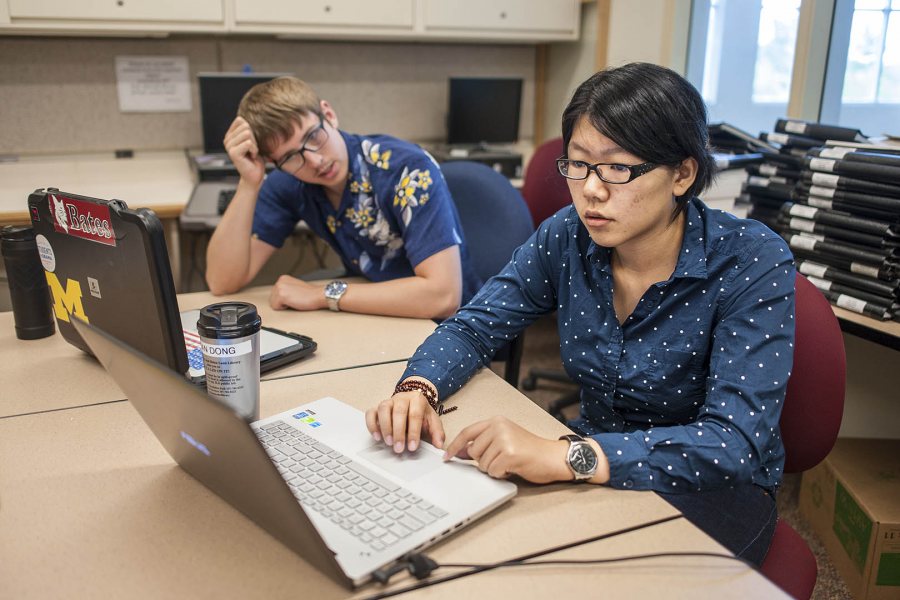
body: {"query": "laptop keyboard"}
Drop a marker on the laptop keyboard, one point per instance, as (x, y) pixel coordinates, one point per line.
(224, 199)
(373, 509)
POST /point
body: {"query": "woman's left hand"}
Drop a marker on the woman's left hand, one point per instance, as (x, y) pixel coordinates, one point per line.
(501, 448)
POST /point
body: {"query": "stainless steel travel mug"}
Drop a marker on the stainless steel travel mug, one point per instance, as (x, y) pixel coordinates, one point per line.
(229, 337)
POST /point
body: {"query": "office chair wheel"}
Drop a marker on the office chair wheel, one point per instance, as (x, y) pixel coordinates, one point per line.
(529, 383)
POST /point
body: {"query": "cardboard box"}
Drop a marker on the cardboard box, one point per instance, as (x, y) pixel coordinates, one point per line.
(852, 501)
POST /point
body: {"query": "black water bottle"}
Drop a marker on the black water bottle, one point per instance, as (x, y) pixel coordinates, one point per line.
(28, 289)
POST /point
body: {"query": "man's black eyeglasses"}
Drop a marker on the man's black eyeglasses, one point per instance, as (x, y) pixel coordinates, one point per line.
(293, 161)
(608, 172)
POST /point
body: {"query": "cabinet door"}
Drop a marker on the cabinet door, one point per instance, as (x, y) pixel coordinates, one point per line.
(353, 13)
(502, 15)
(119, 10)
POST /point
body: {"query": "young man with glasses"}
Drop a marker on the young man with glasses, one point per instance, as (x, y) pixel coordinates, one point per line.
(675, 319)
(379, 202)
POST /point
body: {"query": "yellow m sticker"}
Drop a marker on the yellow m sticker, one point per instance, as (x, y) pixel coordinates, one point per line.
(67, 300)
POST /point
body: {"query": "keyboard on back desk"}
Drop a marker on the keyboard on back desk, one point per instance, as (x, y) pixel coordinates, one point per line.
(225, 197)
(373, 509)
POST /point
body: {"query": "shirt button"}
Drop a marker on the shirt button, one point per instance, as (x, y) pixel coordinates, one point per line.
(628, 484)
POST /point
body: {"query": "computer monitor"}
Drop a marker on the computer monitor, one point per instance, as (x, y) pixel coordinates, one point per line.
(220, 95)
(484, 110)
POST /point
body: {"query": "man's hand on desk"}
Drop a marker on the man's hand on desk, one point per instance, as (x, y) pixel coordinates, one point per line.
(290, 292)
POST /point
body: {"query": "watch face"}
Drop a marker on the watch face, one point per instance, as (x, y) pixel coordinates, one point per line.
(334, 289)
(583, 459)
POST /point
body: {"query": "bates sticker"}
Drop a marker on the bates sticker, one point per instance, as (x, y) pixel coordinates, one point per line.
(82, 219)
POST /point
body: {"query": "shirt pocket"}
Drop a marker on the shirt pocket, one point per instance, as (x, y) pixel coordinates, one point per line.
(679, 381)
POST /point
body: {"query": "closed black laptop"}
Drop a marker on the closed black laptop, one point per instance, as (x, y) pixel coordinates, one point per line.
(108, 265)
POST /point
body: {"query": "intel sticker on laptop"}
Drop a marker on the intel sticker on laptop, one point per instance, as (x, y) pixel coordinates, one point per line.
(304, 417)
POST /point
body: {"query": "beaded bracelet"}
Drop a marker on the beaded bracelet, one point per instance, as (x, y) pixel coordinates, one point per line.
(429, 392)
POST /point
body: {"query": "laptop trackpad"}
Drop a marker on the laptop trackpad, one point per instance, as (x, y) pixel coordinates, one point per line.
(408, 466)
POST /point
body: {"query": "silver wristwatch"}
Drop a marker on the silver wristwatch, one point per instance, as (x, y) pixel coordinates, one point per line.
(581, 457)
(333, 292)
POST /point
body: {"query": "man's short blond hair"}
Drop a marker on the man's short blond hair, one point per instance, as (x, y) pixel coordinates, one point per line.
(271, 108)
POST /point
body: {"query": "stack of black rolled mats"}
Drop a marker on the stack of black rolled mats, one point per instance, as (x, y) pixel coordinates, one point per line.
(839, 211)
(771, 184)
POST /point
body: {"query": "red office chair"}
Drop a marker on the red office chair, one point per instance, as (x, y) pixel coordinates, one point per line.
(544, 189)
(545, 192)
(810, 420)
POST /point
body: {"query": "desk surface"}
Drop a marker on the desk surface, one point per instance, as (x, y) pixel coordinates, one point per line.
(94, 507)
(162, 181)
(49, 374)
(886, 333)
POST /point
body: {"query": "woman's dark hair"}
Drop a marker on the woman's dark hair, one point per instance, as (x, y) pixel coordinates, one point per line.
(649, 111)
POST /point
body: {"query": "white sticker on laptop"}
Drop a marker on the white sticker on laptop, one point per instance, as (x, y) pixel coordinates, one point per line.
(94, 286)
(45, 251)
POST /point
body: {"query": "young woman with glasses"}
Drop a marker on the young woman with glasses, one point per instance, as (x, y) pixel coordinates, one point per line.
(675, 319)
(380, 203)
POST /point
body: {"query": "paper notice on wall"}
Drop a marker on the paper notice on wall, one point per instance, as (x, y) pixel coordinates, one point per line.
(153, 83)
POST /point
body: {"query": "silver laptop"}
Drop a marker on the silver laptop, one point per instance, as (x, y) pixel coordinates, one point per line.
(312, 476)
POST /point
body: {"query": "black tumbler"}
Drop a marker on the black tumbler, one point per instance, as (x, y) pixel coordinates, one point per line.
(28, 289)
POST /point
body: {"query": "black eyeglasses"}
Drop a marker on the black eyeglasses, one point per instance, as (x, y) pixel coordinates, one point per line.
(293, 161)
(608, 172)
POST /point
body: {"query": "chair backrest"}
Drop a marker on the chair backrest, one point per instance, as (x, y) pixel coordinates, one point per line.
(544, 189)
(814, 403)
(495, 219)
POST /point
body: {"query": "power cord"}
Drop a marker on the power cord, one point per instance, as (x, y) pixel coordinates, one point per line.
(421, 566)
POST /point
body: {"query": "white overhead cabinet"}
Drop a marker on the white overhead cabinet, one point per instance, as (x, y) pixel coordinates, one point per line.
(162, 16)
(502, 19)
(484, 21)
(351, 16)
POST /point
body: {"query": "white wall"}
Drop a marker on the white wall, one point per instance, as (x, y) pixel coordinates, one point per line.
(639, 30)
(872, 401)
(568, 64)
(58, 95)
(652, 31)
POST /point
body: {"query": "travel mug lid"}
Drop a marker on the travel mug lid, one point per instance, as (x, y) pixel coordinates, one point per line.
(228, 320)
(17, 233)
(13, 234)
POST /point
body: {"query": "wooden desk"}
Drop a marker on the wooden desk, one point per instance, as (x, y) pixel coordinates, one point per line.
(94, 507)
(162, 181)
(50, 374)
(345, 339)
(886, 333)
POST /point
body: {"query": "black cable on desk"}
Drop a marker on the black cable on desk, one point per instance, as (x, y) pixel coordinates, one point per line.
(526, 560)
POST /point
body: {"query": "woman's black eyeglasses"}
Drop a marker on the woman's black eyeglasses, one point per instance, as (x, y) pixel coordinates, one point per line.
(293, 161)
(608, 172)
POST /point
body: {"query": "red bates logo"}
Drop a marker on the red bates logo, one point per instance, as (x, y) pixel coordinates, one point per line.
(82, 219)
